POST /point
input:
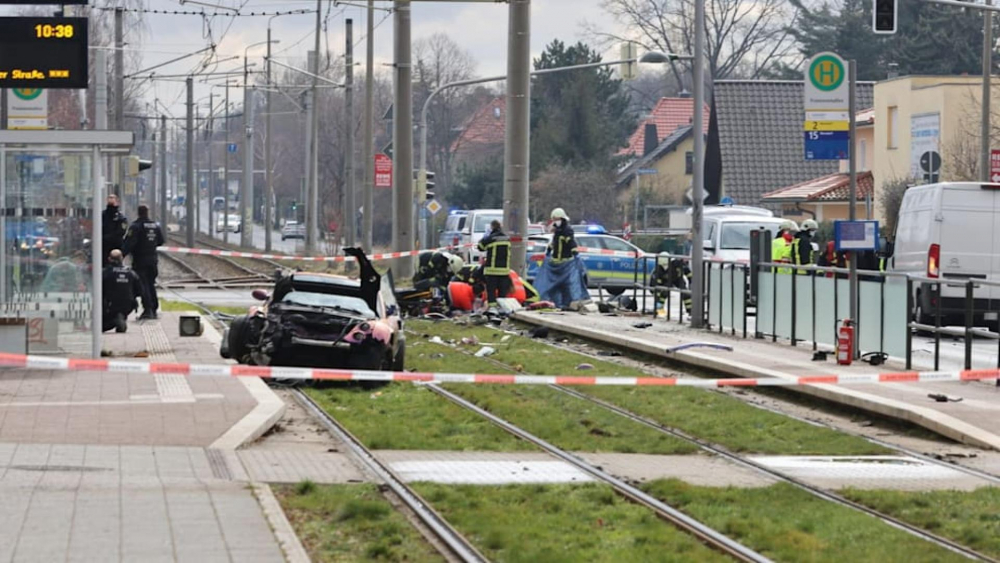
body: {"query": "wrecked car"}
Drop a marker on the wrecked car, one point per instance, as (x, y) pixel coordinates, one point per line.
(322, 320)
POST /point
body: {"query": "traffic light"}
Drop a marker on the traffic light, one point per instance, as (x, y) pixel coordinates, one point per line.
(136, 165)
(884, 16)
(430, 181)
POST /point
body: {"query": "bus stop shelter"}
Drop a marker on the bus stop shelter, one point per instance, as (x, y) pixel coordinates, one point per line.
(52, 194)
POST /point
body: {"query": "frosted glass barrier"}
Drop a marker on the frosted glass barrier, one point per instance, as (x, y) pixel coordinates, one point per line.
(715, 305)
(765, 302)
(896, 316)
(727, 294)
(870, 312)
(804, 307)
(783, 319)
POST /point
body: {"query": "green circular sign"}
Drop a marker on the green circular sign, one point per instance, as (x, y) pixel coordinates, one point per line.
(826, 72)
(27, 93)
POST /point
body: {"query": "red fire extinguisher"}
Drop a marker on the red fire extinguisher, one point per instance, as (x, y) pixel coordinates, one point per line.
(845, 343)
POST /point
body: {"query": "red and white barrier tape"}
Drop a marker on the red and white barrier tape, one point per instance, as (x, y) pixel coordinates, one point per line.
(234, 370)
(237, 254)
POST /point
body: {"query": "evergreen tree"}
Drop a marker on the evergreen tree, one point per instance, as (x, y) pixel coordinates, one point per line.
(577, 116)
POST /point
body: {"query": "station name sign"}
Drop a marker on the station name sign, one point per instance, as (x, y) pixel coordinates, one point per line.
(43, 52)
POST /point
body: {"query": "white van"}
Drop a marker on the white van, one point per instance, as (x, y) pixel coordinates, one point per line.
(726, 230)
(949, 231)
(477, 224)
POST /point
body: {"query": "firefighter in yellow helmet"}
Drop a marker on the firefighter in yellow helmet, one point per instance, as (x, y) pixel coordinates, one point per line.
(802, 245)
(781, 246)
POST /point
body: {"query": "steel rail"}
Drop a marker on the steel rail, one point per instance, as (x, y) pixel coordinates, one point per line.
(686, 523)
(456, 543)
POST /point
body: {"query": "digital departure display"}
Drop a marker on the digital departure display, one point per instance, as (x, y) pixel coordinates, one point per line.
(43, 52)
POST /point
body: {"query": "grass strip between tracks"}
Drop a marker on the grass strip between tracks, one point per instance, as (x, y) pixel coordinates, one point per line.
(714, 417)
(351, 523)
(180, 306)
(971, 518)
(587, 522)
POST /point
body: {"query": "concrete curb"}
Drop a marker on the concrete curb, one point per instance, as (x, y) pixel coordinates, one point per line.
(269, 410)
(282, 528)
(935, 421)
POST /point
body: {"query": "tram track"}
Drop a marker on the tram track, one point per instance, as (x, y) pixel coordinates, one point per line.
(719, 451)
(450, 542)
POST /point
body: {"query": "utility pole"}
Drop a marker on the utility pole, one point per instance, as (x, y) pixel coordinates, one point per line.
(197, 175)
(312, 206)
(350, 219)
(210, 133)
(153, 170)
(190, 197)
(119, 92)
(402, 124)
(225, 174)
(269, 189)
(698, 178)
(984, 157)
(307, 171)
(852, 168)
(163, 170)
(246, 189)
(516, 150)
(367, 145)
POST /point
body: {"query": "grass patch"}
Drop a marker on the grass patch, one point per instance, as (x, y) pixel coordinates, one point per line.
(181, 306)
(553, 523)
(787, 524)
(407, 417)
(711, 416)
(351, 523)
(971, 518)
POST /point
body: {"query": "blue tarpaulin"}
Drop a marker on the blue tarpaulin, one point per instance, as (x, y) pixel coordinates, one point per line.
(562, 283)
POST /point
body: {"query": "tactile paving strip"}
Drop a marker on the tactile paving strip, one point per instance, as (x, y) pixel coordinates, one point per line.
(171, 387)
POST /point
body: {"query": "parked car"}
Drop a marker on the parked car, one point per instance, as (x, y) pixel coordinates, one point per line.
(293, 229)
(614, 273)
(218, 203)
(451, 235)
(948, 231)
(322, 320)
(235, 224)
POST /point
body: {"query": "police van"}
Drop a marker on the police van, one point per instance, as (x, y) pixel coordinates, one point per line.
(726, 230)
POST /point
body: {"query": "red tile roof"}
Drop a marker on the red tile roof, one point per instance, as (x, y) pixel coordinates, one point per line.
(834, 187)
(668, 115)
(485, 127)
(865, 117)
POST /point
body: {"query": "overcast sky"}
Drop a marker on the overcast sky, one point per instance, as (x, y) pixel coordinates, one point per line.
(481, 28)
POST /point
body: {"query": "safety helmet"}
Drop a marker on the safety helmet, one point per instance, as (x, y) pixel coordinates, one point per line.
(455, 263)
(663, 259)
(789, 225)
(809, 225)
(558, 213)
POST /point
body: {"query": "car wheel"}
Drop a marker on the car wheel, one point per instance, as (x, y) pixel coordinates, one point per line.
(238, 333)
(399, 361)
(615, 291)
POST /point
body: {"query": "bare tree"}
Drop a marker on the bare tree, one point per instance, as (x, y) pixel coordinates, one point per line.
(743, 38)
(586, 193)
(438, 60)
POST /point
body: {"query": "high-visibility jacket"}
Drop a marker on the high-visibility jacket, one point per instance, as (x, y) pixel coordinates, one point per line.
(563, 245)
(496, 244)
(781, 252)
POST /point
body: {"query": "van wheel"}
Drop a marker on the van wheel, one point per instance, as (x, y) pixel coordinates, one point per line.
(919, 316)
(615, 291)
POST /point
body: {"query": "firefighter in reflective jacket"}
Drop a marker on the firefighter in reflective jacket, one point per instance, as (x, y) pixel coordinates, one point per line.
(671, 272)
(781, 246)
(802, 245)
(436, 269)
(563, 245)
(496, 267)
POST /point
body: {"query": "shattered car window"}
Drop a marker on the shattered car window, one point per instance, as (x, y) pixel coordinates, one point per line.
(342, 303)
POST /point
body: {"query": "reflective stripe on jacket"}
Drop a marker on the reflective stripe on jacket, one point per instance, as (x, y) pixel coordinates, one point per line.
(496, 244)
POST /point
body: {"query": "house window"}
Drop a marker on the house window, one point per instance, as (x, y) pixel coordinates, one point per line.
(689, 162)
(863, 155)
(893, 127)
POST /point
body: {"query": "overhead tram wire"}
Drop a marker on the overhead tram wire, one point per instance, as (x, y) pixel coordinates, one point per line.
(206, 13)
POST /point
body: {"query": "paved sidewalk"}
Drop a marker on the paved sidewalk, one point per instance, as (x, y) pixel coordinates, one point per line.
(975, 420)
(101, 466)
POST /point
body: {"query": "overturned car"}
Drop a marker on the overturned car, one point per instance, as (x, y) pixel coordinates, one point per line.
(322, 320)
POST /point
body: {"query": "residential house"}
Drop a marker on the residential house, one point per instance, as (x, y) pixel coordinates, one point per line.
(482, 135)
(659, 154)
(755, 140)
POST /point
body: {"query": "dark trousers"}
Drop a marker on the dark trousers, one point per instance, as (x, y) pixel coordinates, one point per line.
(147, 275)
(497, 286)
(109, 319)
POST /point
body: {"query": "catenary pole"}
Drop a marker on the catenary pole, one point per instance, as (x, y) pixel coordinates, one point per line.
(312, 205)
(163, 169)
(225, 174)
(984, 157)
(403, 202)
(269, 186)
(698, 176)
(367, 145)
(190, 196)
(119, 122)
(350, 212)
(516, 146)
(246, 187)
(852, 167)
(210, 135)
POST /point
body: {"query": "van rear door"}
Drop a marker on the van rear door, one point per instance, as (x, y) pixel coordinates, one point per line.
(967, 231)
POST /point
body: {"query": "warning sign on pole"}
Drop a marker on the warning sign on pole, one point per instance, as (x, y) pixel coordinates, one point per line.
(995, 166)
(383, 171)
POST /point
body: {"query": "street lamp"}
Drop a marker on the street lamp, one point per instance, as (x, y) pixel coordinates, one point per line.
(651, 57)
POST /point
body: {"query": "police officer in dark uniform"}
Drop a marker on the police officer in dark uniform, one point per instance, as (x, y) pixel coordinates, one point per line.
(121, 288)
(141, 241)
(496, 268)
(113, 227)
